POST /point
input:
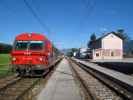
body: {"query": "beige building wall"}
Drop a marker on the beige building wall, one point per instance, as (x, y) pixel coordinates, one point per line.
(112, 48)
(97, 54)
(112, 42)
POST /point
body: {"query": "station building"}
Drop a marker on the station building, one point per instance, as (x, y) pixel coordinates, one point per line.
(109, 46)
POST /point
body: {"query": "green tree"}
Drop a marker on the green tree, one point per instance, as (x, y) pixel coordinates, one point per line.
(5, 48)
(92, 41)
(93, 37)
(121, 33)
(72, 50)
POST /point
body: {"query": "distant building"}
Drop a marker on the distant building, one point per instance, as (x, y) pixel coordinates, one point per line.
(82, 53)
(74, 54)
(109, 46)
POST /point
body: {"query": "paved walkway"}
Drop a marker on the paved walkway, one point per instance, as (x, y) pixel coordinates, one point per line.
(61, 85)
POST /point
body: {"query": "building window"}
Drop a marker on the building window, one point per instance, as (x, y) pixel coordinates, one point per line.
(97, 54)
(112, 53)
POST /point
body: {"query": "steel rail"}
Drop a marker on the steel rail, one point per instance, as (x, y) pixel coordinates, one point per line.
(122, 84)
(17, 87)
(87, 93)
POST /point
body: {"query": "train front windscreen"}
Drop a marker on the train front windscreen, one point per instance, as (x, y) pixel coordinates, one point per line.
(29, 45)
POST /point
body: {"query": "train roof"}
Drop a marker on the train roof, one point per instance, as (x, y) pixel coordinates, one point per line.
(31, 36)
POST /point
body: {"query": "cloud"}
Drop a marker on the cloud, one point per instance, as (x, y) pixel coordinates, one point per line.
(59, 44)
(103, 29)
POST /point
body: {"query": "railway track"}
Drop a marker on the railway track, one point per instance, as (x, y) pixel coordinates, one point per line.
(98, 85)
(4, 82)
(15, 88)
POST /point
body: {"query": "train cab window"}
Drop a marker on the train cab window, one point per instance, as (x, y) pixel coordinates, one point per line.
(36, 45)
(21, 45)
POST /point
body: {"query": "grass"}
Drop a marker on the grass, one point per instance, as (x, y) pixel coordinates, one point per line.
(5, 69)
(4, 59)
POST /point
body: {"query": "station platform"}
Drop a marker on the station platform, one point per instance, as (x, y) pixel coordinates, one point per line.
(124, 60)
(61, 85)
(120, 77)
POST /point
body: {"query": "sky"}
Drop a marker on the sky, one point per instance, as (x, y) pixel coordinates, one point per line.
(71, 22)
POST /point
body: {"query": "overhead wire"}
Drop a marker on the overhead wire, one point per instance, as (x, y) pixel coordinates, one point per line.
(89, 5)
(43, 25)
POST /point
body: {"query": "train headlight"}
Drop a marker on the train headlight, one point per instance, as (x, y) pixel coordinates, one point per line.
(41, 59)
(13, 59)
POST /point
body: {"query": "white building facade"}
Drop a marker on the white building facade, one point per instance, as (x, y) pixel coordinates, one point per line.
(109, 46)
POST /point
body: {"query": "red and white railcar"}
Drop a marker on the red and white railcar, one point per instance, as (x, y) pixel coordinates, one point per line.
(32, 54)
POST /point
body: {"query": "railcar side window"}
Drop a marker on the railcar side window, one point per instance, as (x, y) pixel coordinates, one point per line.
(36, 45)
(21, 45)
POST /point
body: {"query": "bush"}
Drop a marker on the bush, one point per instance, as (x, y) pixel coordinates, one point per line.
(5, 48)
